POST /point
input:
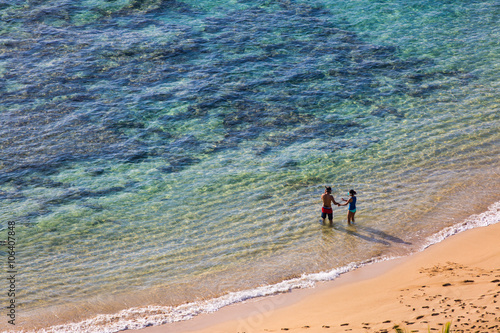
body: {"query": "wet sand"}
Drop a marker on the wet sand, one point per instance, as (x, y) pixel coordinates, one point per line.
(457, 281)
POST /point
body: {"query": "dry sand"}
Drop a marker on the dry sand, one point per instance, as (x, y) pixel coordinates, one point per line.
(457, 281)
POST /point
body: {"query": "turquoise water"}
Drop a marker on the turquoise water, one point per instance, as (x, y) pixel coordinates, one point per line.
(155, 153)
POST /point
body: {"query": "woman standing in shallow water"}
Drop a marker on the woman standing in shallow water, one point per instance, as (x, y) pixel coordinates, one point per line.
(352, 206)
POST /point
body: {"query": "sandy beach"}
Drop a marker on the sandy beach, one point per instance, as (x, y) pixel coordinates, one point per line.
(457, 281)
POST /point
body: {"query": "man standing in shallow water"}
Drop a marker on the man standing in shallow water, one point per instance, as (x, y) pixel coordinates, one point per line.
(327, 199)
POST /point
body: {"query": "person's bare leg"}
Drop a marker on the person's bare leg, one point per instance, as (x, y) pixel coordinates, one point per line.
(350, 217)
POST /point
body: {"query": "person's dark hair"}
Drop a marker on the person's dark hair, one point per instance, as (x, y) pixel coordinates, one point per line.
(328, 189)
(352, 192)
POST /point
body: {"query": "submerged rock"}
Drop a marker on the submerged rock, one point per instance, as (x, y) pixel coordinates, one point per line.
(254, 73)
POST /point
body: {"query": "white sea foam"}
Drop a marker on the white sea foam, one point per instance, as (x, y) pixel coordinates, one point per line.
(140, 317)
(489, 217)
(136, 318)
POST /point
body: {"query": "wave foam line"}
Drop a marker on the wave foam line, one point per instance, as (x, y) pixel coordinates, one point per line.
(491, 216)
(141, 317)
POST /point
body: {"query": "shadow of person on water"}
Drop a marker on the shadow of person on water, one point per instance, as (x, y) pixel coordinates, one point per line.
(371, 234)
(352, 230)
(384, 235)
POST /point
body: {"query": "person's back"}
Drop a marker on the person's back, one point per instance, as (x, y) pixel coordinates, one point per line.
(327, 199)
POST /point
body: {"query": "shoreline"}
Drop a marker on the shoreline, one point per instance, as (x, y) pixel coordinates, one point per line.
(450, 281)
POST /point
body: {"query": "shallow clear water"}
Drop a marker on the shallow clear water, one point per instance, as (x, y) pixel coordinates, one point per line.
(163, 152)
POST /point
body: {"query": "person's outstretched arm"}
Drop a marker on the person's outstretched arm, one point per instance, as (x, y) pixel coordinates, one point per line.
(346, 202)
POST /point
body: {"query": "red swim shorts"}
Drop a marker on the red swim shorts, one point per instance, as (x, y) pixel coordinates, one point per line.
(327, 210)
